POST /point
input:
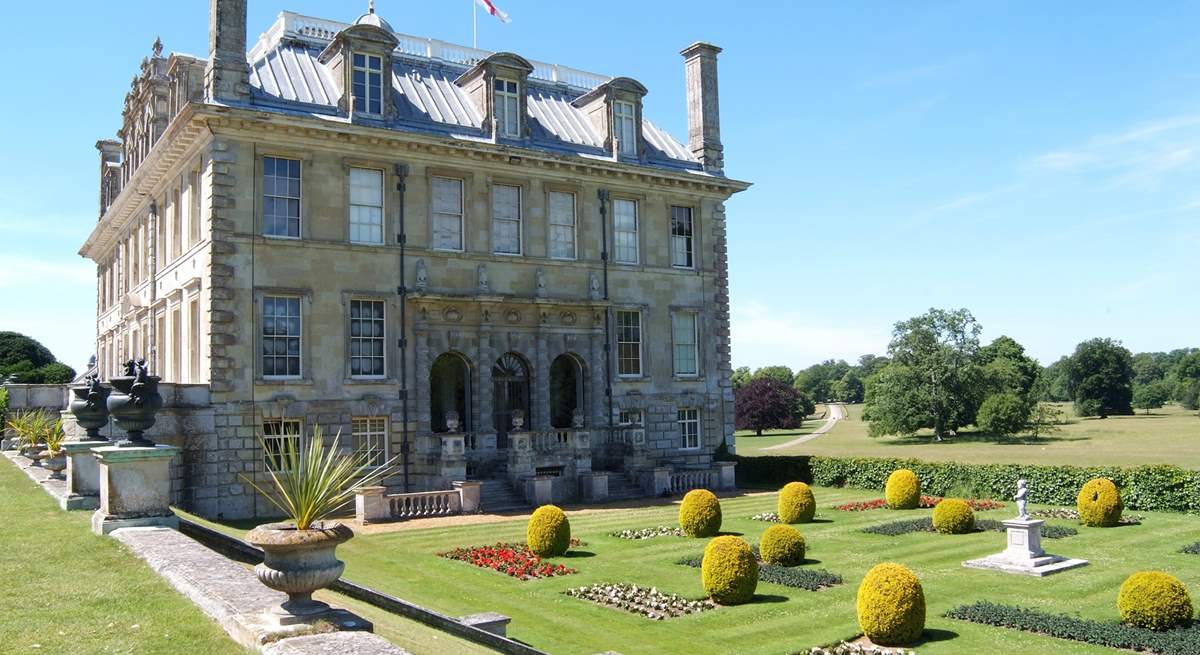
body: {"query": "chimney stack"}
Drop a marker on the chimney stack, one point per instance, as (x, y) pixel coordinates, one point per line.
(704, 114)
(227, 77)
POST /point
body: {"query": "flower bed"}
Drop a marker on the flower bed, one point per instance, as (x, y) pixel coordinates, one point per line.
(644, 601)
(977, 504)
(769, 517)
(808, 579)
(1072, 514)
(515, 560)
(1194, 549)
(1180, 641)
(925, 524)
(650, 533)
(845, 648)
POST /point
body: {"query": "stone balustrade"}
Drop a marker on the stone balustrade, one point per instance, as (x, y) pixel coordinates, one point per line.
(685, 481)
(375, 505)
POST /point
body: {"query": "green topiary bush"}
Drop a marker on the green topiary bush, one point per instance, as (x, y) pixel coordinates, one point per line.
(549, 532)
(796, 503)
(782, 544)
(1155, 600)
(700, 513)
(891, 605)
(903, 490)
(1099, 503)
(953, 516)
(729, 571)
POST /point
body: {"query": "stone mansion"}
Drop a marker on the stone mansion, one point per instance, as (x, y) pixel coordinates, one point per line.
(486, 267)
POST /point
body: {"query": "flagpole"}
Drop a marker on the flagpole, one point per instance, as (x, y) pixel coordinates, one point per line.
(474, 25)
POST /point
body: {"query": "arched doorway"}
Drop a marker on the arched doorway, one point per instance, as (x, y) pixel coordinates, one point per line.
(566, 390)
(510, 387)
(450, 390)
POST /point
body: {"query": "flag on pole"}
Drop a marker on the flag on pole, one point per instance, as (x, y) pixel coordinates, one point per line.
(490, 8)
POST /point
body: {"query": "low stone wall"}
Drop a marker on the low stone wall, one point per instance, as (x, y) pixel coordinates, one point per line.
(48, 397)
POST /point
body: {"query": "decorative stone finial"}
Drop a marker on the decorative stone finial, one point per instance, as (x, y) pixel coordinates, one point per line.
(370, 6)
(157, 48)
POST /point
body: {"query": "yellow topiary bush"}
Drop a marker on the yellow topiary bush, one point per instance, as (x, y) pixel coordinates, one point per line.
(549, 532)
(796, 503)
(729, 571)
(782, 544)
(1099, 503)
(903, 490)
(700, 513)
(891, 605)
(953, 516)
(1155, 600)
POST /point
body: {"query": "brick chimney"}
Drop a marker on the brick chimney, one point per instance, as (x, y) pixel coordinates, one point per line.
(226, 79)
(704, 114)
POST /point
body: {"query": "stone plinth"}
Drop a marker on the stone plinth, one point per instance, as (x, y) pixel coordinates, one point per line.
(135, 488)
(1024, 553)
(453, 463)
(726, 475)
(593, 487)
(540, 490)
(83, 475)
(492, 622)
(656, 481)
(470, 493)
(370, 506)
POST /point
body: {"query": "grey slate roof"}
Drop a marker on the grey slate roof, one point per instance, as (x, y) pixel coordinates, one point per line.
(286, 75)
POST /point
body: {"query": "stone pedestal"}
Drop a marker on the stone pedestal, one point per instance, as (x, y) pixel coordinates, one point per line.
(581, 444)
(469, 491)
(454, 456)
(540, 490)
(492, 622)
(726, 478)
(135, 488)
(1024, 553)
(656, 481)
(370, 506)
(520, 456)
(593, 487)
(83, 475)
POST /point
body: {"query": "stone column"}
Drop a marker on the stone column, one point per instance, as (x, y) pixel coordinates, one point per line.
(541, 384)
(469, 493)
(370, 506)
(582, 445)
(135, 488)
(83, 475)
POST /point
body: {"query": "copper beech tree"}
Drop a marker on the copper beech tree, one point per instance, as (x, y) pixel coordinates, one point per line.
(767, 403)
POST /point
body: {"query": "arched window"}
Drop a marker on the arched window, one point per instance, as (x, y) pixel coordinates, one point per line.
(566, 390)
(450, 390)
(510, 387)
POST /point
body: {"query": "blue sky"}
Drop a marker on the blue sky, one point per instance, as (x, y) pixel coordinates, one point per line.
(1034, 162)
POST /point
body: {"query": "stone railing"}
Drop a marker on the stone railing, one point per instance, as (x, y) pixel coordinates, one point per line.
(553, 440)
(685, 481)
(375, 505)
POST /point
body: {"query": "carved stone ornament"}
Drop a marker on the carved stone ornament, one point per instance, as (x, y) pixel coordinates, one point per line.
(485, 285)
(422, 276)
(540, 282)
(452, 314)
(512, 316)
(568, 318)
(594, 286)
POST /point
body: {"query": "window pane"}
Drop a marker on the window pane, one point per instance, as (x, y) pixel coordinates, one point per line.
(447, 213)
(281, 197)
(629, 343)
(366, 205)
(506, 218)
(625, 237)
(366, 338)
(281, 336)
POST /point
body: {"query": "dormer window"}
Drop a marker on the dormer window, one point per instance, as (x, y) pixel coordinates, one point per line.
(367, 84)
(507, 103)
(625, 128)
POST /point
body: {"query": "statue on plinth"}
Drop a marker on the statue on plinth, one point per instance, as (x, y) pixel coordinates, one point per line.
(1022, 492)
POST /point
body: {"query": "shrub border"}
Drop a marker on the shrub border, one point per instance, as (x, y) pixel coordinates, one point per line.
(798, 578)
(908, 526)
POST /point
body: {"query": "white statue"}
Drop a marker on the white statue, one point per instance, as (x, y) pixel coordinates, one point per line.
(422, 275)
(484, 285)
(540, 279)
(1022, 492)
(594, 286)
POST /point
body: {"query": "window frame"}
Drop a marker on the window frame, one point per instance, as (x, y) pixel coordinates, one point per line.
(262, 336)
(681, 421)
(505, 94)
(691, 237)
(350, 205)
(280, 436)
(383, 434)
(299, 196)
(520, 219)
(367, 71)
(550, 225)
(637, 246)
(624, 112)
(641, 365)
(695, 345)
(462, 213)
(350, 338)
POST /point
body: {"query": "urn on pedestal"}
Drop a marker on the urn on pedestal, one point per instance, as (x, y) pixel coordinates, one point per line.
(89, 404)
(134, 402)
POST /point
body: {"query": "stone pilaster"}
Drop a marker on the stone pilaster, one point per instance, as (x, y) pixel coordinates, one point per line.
(719, 321)
(540, 384)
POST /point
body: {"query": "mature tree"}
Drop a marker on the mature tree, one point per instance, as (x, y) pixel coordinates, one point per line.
(933, 380)
(1003, 413)
(1148, 367)
(1100, 378)
(767, 403)
(868, 365)
(1184, 378)
(24, 360)
(1008, 369)
(741, 377)
(781, 373)
(1055, 387)
(1151, 395)
(849, 389)
(818, 380)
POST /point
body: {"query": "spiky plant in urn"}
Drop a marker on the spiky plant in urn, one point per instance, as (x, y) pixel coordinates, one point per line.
(89, 404)
(133, 403)
(311, 483)
(53, 458)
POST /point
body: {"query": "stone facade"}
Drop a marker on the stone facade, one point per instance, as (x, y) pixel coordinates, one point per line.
(187, 266)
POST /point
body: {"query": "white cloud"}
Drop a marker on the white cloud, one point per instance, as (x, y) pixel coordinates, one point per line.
(1141, 156)
(24, 272)
(764, 335)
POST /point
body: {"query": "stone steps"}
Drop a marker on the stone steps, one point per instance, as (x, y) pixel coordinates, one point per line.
(498, 496)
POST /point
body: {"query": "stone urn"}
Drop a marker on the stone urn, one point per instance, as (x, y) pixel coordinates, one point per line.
(518, 420)
(452, 421)
(89, 404)
(299, 562)
(577, 419)
(55, 462)
(34, 452)
(133, 403)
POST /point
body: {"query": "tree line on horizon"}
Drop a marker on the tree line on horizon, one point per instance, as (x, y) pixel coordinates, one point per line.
(937, 375)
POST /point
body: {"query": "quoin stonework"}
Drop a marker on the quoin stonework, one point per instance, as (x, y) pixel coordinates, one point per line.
(487, 267)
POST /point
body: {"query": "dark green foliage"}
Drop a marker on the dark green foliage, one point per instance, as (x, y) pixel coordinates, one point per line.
(29, 362)
(1100, 378)
(772, 471)
(907, 526)
(818, 381)
(1193, 549)
(1181, 641)
(740, 377)
(1151, 395)
(1003, 413)
(56, 373)
(781, 373)
(799, 578)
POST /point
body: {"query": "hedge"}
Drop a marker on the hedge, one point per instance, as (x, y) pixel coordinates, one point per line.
(796, 577)
(925, 524)
(1159, 487)
(1180, 641)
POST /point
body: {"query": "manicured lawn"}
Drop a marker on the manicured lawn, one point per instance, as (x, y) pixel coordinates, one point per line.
(1167, 435)
(68, 591)
(781, 619)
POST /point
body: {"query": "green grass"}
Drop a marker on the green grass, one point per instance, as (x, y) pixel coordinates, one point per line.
(1167, 435)
(66, 590)
(782, 619)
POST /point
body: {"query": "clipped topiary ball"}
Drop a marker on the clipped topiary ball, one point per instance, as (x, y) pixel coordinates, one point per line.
(891, 605)
(1155, 600)
(729, 571)
(953, 516)
(903, 490)
(782, 544)
(796, 503)
(1099, 503)
(700, 513)
(549, 532)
